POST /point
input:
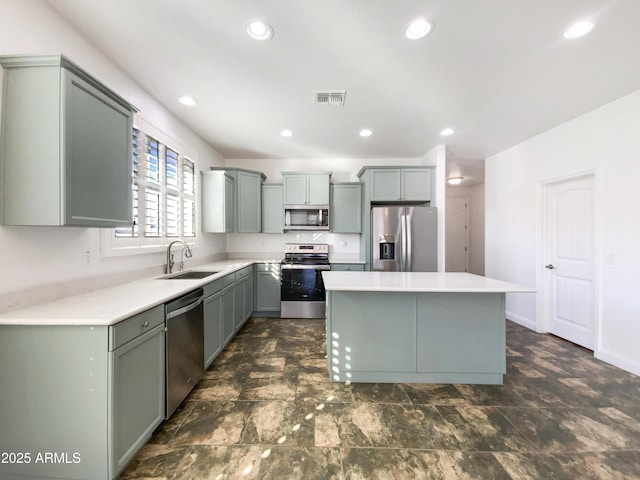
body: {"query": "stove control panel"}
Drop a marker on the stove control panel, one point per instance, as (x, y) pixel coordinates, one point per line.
(306, 248)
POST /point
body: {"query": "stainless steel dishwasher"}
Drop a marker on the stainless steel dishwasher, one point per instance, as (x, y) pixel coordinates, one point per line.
(185, 347)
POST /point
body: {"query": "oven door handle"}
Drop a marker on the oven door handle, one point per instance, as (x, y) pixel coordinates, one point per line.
(286, 266)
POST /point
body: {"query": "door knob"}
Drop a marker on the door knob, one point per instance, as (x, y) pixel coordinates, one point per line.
(550, 267)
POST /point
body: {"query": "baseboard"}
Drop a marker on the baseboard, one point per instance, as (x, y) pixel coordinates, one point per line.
(520, 320)
(618, 361)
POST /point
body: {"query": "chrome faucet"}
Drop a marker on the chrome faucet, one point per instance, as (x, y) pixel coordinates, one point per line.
(186, 251)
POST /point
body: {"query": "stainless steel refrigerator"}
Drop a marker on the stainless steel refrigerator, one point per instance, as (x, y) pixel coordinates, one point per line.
(404, 239)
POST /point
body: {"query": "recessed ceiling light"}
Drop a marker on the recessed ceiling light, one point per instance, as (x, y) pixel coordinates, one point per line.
(286, 133)
(259, 30)
(454, 180)
(578, 29)
(365, 132)
(187, 100)
(447, 131)
(418, 28)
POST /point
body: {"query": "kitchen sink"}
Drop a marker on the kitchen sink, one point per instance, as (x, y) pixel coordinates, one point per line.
(189, 275)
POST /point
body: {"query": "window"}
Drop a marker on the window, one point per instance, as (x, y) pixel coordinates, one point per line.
(164, 196)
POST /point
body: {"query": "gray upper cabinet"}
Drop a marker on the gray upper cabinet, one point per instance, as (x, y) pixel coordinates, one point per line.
(217, 202)
(346, 208)
(416, 184)
(249, 201)
(272, 210)
(399, 184)
(66, 146)
(306, 188)
(231, 200)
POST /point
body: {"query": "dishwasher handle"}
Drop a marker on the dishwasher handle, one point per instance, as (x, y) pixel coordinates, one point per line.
(184, 304)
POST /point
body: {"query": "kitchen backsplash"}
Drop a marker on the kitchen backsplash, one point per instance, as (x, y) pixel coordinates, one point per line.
(340, 244)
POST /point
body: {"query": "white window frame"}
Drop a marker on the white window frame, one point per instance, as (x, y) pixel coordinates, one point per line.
(112, 245)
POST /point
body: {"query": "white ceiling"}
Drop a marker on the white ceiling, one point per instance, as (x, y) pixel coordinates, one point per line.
(497, 71)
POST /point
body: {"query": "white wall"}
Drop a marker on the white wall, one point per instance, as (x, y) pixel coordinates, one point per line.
(606, 141)
(40, 264)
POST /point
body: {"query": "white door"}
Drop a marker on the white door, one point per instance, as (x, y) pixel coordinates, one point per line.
(456, 234)
(568, 271)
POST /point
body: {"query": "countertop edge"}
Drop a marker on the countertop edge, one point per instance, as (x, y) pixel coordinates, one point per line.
(67, 311)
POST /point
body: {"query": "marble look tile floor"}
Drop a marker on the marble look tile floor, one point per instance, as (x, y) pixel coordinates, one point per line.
(267, 410)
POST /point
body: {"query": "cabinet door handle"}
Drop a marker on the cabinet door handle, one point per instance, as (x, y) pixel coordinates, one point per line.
(550, 267)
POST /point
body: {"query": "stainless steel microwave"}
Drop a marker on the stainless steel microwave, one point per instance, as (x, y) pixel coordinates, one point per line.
(306, 217)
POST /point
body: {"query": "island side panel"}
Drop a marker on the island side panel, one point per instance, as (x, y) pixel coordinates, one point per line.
(461, 333)
(368, 332)
(53, 401)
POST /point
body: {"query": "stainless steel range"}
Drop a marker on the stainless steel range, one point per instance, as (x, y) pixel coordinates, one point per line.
(301, 287)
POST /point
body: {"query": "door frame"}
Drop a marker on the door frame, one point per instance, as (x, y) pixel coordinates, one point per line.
(543, 320)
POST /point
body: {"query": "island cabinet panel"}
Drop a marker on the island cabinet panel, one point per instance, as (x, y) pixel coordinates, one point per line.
(422, 337)
(461, 333)
(371, 336)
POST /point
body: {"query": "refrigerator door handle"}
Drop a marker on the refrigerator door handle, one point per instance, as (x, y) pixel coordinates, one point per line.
(403, 227)
(408, 242)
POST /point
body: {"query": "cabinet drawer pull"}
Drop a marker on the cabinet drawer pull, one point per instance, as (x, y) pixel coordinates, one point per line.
(145, 324)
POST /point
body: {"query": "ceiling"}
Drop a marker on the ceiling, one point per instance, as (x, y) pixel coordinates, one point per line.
(496, 71)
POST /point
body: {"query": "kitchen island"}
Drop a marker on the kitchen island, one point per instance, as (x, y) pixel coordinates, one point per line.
(416, 327)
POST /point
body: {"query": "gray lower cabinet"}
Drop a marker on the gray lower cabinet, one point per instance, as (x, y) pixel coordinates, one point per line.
(66, 146)
(248, 295)
(347, 267)
(228, 304)
(228, 308)
(243, 297)
(268, 289)
(138, 389)
(213, 322)
(90, 394)
(346, 208)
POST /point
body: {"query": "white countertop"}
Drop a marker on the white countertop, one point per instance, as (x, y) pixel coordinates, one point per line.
(111, 305)
(417, 282)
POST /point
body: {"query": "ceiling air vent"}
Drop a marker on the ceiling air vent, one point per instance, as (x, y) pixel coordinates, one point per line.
(334, 98)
